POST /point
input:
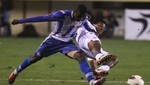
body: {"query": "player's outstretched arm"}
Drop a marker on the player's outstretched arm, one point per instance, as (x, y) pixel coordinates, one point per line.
(31, 19)
(34, 19)
(55, 16)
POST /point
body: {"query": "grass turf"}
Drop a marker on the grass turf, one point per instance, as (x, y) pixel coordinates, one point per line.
(133, 56)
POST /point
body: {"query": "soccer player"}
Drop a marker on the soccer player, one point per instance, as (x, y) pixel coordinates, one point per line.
(90, 44)
(59, 40)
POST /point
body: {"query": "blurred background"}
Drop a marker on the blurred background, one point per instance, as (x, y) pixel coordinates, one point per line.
(127, 35)
(128, 19)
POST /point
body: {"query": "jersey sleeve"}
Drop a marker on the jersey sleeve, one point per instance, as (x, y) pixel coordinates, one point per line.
(88, 26)
(55, 16)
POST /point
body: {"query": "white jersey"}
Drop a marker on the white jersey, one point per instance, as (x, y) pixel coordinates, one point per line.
(84, 37)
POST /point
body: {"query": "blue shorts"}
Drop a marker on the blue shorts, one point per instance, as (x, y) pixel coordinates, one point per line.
(51, 46)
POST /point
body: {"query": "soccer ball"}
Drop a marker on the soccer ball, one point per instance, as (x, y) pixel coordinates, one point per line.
(135, 80)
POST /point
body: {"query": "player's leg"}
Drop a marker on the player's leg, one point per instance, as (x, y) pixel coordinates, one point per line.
(85, 68)
(90, 44)
(99, 72)
(105, 60)
(94, 46)
(45, 49)
(83, 64)
(102, 57)
(27, 62)
(72, 51)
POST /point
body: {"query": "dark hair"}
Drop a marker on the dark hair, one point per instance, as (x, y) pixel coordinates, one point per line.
(82, 9)
(95, 21)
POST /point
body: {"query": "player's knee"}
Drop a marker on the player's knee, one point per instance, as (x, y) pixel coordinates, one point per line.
(78, 56)
(34, 59)
(94, 45)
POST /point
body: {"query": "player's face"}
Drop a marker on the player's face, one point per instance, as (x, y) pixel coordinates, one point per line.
(78, 16)
(100, 27)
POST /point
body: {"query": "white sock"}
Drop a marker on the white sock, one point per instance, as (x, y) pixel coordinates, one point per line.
(15, 71)
(104, 67)
(98, 56)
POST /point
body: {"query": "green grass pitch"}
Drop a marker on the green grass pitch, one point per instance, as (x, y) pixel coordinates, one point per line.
(134, 58)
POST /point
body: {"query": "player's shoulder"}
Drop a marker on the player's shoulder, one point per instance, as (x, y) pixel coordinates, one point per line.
(62, 12)
(65, 11)
(68, 11)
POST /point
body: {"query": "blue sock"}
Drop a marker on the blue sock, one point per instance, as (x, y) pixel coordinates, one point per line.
(84, 66)
(24, 65)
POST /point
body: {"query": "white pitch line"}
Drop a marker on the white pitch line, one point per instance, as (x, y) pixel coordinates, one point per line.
(55, 80)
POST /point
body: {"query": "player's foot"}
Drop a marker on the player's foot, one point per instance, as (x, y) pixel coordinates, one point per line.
(12, 77)
(99, 81)
(103, 59)
(101, 72)
(110, 60)
(113, 61)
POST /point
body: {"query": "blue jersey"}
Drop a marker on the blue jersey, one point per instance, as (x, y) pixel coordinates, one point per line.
(65, 28)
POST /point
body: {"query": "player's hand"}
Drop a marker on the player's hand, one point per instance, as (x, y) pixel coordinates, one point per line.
(14, 22)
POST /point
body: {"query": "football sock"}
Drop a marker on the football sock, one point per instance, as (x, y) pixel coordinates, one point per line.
(24, 65)
(104, 67)
(97, 54)
(86, 70)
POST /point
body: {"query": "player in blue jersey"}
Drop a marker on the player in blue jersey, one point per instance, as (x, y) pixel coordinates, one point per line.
(59, 40)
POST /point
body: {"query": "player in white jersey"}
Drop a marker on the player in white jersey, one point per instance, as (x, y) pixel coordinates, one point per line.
(91, 45)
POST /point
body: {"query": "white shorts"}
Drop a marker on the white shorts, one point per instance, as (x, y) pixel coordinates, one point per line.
(83, 44)
(84, 40)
